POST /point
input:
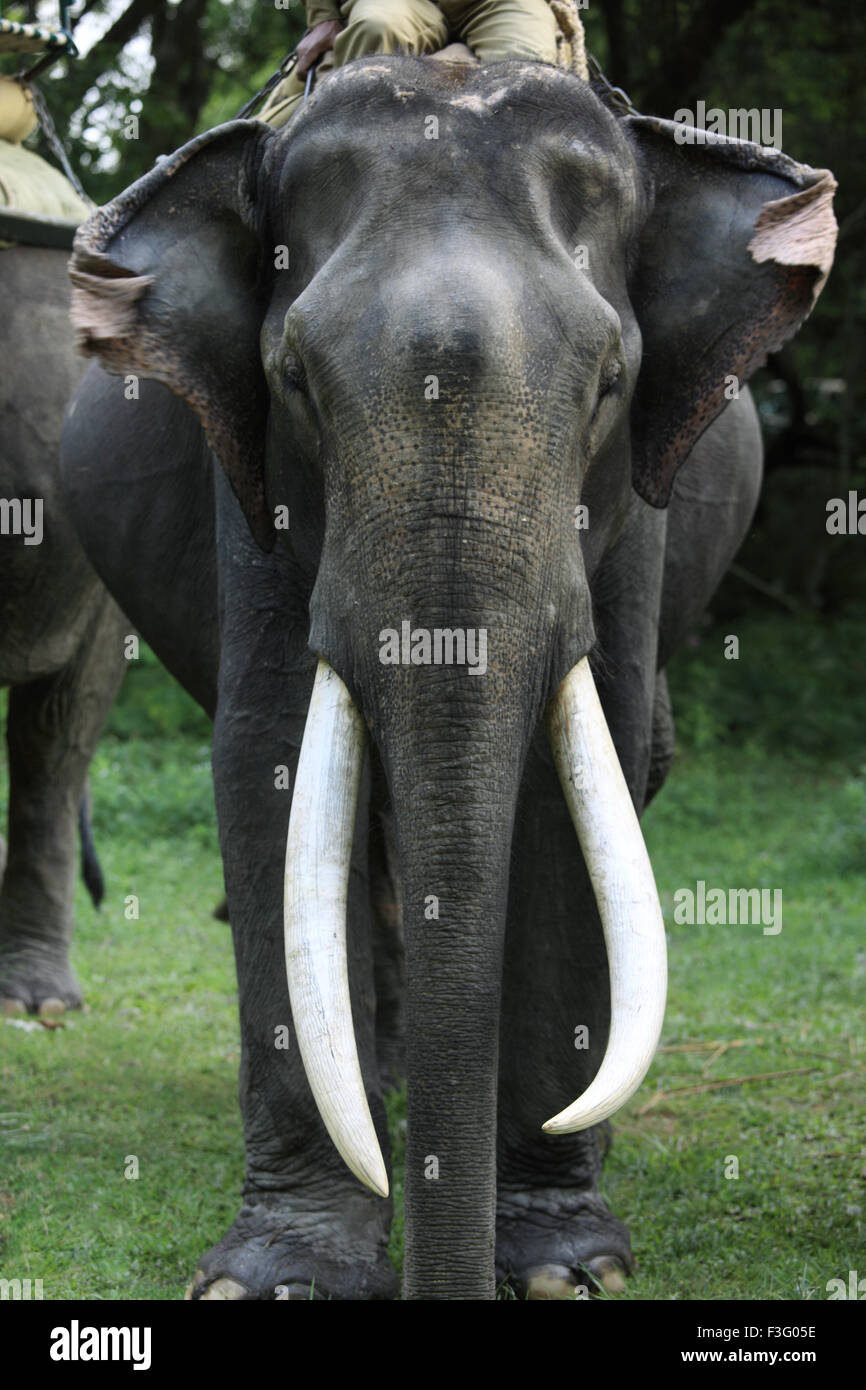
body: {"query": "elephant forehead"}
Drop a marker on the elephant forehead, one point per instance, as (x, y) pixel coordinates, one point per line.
(404, 77)
(394, 123)
(375, 98)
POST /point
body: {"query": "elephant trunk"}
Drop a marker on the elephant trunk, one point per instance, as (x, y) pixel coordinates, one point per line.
(454, 799)
(454, 783)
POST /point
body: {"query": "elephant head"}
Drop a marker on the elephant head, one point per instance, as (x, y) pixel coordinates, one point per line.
(443, 309)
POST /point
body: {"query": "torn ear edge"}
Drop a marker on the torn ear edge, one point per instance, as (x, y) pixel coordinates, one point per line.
(797, 230)
(103, 291)
(800, 230)
(107, 325)
(104, 296)
(793, 239)
(112, 323)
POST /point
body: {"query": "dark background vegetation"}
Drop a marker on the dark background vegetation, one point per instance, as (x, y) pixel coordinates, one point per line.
(210, 56)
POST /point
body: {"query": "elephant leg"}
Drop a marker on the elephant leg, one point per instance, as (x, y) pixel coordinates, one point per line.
(52, 730)
(552, 1223)
(306, 1227)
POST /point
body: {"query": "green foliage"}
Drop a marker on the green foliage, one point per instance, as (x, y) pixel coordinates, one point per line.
(153, 788)
(180, 66)
(742, 1005)
(805, 60)
(152, 705)
(797, 687)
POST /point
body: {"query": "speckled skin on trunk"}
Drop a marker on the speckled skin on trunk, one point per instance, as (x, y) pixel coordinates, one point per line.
(432, 342)
(61, 643)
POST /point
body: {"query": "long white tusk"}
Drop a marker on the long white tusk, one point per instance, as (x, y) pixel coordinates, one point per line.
(318, 859)
(625, 893)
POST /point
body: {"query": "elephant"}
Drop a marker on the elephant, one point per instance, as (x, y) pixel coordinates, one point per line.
(61, 640)
(442, 446)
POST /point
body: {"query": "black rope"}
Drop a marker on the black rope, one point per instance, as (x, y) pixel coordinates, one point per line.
(48, 61)
(55, 144)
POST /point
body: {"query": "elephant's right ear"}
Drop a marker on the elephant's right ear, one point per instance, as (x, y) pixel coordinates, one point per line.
(737, 244)
(170, 281)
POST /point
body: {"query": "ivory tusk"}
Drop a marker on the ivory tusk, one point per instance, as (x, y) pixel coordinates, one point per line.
(318, 859)
(622, 878)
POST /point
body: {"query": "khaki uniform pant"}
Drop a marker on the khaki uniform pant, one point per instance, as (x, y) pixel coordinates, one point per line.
(491, 28)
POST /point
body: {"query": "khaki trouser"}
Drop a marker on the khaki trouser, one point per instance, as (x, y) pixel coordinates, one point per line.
(491, 28)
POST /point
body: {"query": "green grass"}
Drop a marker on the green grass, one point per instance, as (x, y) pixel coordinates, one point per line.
(149, 1068)
(789, 1003)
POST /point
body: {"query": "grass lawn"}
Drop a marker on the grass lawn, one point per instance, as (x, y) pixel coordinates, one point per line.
(148, 1071)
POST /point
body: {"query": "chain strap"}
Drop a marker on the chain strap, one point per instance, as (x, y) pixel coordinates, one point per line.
(286, 67)
(616, 97)
(55, 144)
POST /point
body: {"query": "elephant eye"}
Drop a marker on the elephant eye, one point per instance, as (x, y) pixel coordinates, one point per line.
(602, 419)
(610, 375)
(294, 376)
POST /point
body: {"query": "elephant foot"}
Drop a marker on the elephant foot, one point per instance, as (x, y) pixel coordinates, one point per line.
(275, 1250)
(33, 983)
(606, 1275)
(560, 1245)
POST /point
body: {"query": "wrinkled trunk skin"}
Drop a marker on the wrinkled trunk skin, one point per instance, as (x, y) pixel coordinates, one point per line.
(454, 803)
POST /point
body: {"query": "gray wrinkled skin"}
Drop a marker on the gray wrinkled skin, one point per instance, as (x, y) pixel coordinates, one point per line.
(558, 383)
(61, 647)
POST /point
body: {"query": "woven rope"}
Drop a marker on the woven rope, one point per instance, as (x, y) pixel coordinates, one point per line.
(570, 42)
(29, 38)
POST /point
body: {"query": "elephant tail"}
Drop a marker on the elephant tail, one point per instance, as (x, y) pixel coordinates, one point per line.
(91, 869)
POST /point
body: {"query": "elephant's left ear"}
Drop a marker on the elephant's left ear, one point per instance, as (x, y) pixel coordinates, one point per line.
(735, 250)
(170, 281)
